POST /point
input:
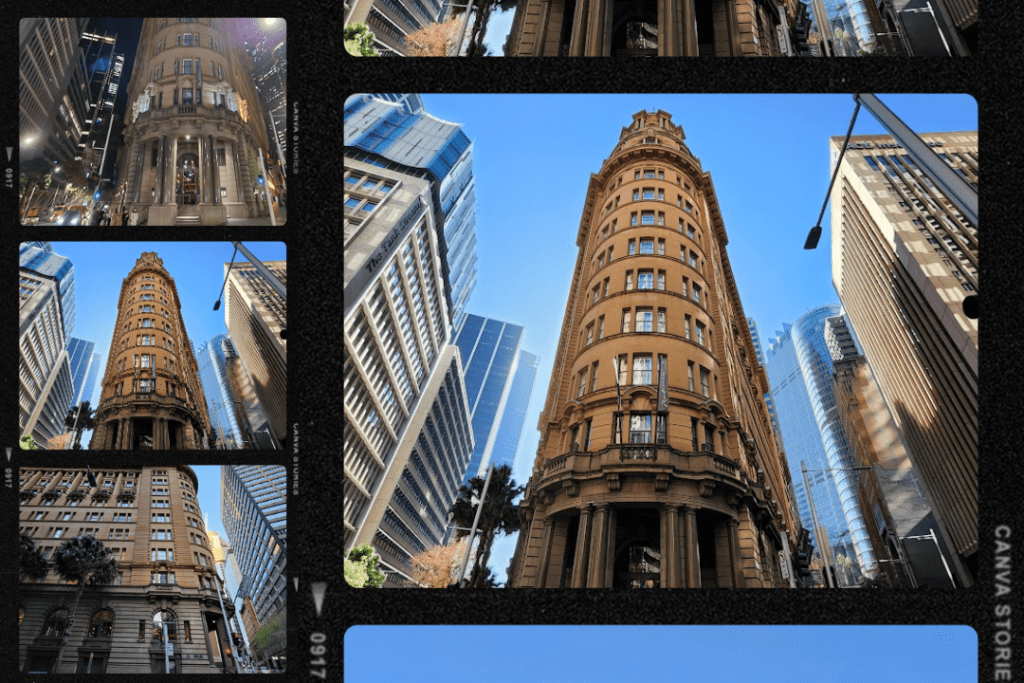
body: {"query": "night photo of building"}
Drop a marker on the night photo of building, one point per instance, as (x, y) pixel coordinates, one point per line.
(160, 121)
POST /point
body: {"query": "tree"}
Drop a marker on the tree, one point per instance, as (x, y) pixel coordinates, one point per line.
(271, 637)
(31, 562)
(367, 561)
(60, 442)
(27, 443)
(439, 566)
(499, 515)
(80, 561)
(434, 40)
(359, 40)
(84, 421)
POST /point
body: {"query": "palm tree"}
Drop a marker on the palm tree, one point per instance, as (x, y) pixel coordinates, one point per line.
(81, 560)
(80, 418)
(499, 515)
(31, 562)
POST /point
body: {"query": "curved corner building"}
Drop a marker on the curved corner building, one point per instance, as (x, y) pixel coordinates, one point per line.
(657, 465)
(151, 396)
(193, 127)
(800, 367)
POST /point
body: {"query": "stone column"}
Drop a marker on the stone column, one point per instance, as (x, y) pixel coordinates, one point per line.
(238, 171)
(135, 170)
(689, 36)
(201, 179)
(692, 563)
(670, 551)
(171, 182)
(545, 553)
(734, 554)
(735, 47)
(160, 170)
(130, 433)
(214, 171)
(579, 28)
(579, 563)
(542, 29)
(598, 547)
(595, 29)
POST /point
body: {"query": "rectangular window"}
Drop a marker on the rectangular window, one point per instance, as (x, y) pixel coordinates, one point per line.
(696, 293)
(691, 232)
(705, 379)
(646, 245)
(220, 156)
(597, 293)
(686, 326)
(689, 376)
(590, 334)
(648, 173)
(629, 280)
(661, 320)
(661, 195)
(700, 333)
(632, 248)
(688, 208)
(647, 218)
(586, 437)
(661, 247)
(636, 195)
(644, 319)
(607, 285)
(625, 320)
(583, 383)
(871, 162)
(188, 41)
(645, 279)
(648, 193)
(709, 438)
(632, 216)
(693, 260)
(593, 377)
(600, 327)
(640, 428)
(642, 368)
(611, 252)
(600, 261)
(661, 279)
(142, 629)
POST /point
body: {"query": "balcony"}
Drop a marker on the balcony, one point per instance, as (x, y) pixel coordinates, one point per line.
(217, 113)
(637, 457)
(150, 397)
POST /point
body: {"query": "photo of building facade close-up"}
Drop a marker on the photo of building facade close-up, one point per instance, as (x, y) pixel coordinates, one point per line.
(678, 444)
(156, 121)
(653, 28)
(123, 572)
(152, 388)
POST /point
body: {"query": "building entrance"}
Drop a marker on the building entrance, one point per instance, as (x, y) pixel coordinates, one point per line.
(142, 429)
(188, 179)
(635, 28)
(638, 549)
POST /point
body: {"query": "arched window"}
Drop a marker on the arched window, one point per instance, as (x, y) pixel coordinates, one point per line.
(56, 623)
(102, 624)
(161, 619)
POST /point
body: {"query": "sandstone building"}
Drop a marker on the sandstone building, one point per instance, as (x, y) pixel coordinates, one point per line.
(657, 465)
(151, 396)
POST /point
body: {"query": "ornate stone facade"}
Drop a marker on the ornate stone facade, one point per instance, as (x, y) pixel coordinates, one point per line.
(194, 128)
(151, 397)
(657, 465)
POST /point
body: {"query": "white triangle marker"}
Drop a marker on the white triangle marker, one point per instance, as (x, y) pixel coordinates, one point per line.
(319, 588)
(10, 150)
(9, 454)
(296, 580)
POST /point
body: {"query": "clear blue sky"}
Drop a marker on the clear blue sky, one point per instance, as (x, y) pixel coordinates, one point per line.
(209, 496)
(599, 654)
(768, 159)
(197, 269)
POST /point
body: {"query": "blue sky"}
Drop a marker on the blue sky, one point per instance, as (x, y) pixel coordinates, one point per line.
(209, 496)
(768, 159)
(772, 654)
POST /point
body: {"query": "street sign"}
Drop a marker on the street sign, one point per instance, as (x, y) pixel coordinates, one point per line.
(169, 648)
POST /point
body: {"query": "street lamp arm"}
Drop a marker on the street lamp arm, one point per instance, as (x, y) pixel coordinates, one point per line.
(815, 234)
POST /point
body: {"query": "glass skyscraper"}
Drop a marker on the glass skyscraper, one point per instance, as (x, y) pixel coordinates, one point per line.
(253, 510)
(85, 368)
(846, 24)
(41, 260)
(219, 398)
(799, 367)
(398, 131)
(495, 390)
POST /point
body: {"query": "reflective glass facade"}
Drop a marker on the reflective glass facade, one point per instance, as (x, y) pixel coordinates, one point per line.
(847, 24)
(800, 373)
(506, 443)
(253, 509)
(85, 368)
(219, 397)
(490, 351)
(42, 261)
(399, 131)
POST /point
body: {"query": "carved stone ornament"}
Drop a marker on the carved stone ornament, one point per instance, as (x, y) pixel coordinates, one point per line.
(706, 489)
(732, 499)
(549, 497)
(613, 482)
(572, 488)
(661, 482)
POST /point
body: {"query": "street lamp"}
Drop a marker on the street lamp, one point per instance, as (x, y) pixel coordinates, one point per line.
(479, 502)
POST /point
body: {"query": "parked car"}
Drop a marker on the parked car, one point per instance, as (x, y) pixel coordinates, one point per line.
(75, 215)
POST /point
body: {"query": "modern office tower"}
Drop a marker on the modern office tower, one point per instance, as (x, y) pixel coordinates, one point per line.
(41, 261)
(85, 368)
(719, 28)
(399, 136)
(194, 128)
(230, 398)
(270, 72)
(800, 370)
(656, 464)
(53, 96)
(891, 491)
(222, 555)
(253, 511)
(849, 26)
(490, 352)
(391, 20)
(903, 260)
(149, 519)
(45, 388)
(104, 69)
(256, 316)
(151, 397)
(506, 443)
